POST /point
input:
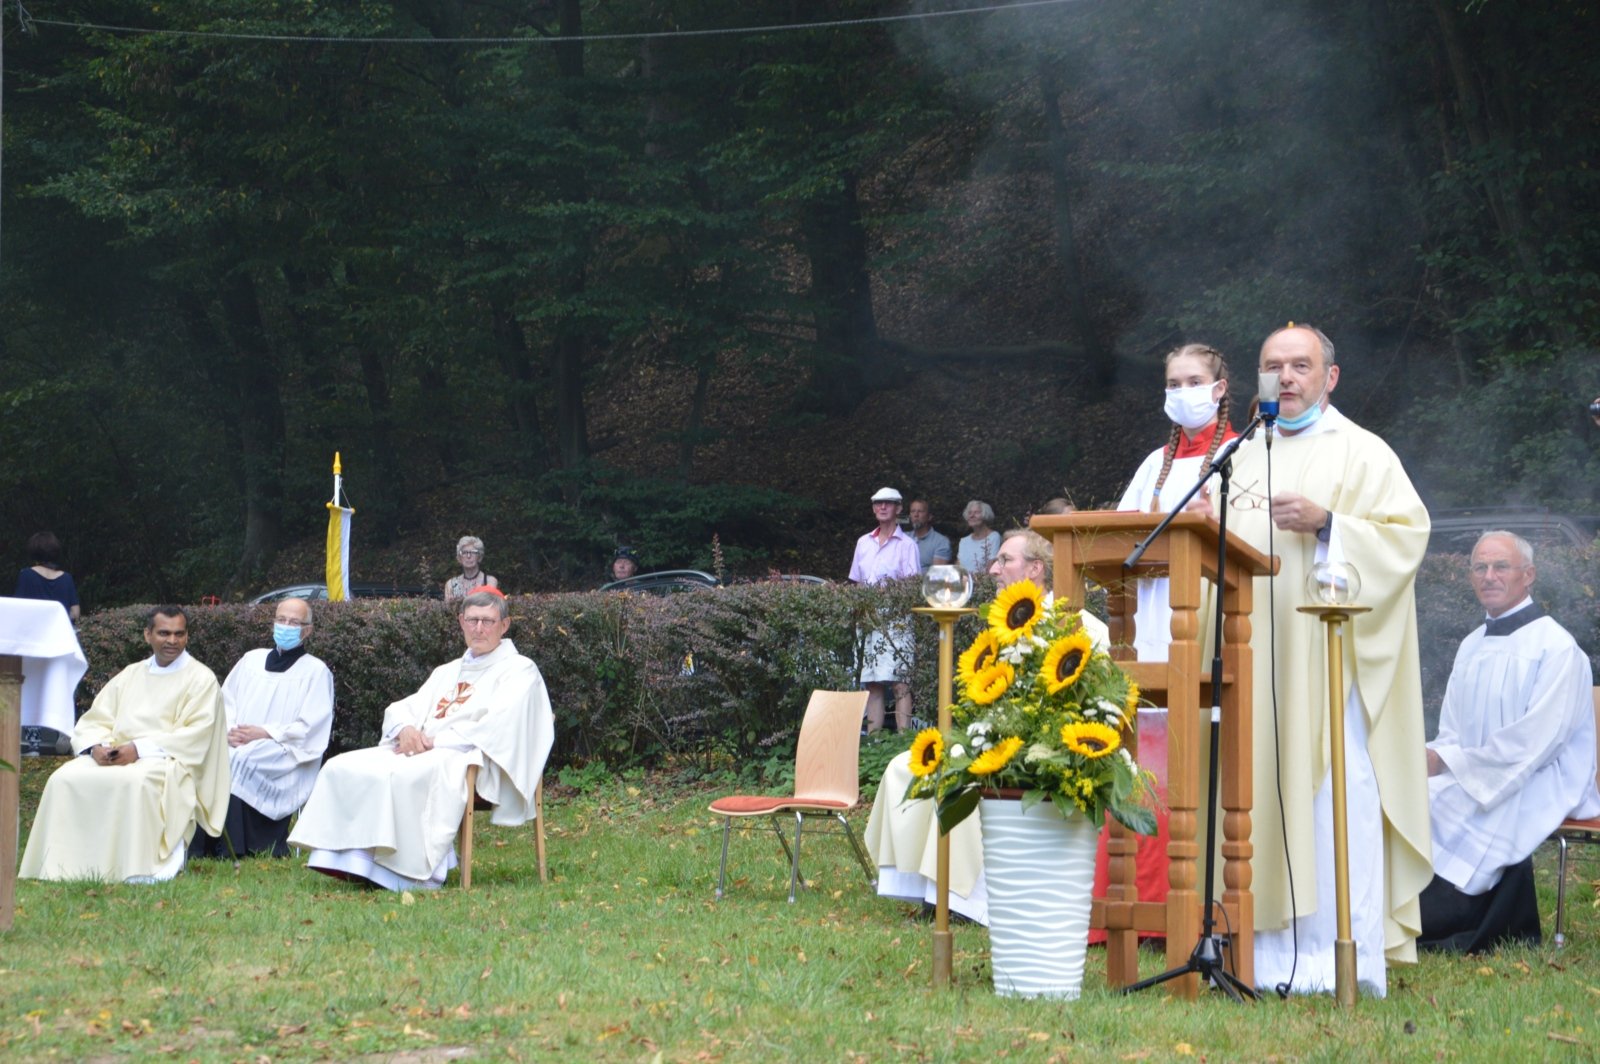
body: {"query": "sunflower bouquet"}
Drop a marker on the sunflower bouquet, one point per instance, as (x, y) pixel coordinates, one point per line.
(1041, 710)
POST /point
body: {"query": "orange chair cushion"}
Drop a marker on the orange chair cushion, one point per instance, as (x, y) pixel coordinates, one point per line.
(1580, 825)
(755, 805)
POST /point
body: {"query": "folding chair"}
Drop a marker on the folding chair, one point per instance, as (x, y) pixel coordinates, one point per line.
(1571, 831)
(827, 782)
(475, 803)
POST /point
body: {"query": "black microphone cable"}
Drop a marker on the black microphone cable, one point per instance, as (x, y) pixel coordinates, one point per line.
(1284, 987)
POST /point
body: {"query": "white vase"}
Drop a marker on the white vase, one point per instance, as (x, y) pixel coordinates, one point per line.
(1039, 867)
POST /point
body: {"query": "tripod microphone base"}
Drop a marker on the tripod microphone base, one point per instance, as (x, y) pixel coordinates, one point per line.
(1206, 962)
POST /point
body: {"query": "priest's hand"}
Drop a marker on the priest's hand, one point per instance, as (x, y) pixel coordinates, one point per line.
(126, 754)
(1436, 764)
(240, 734)
(102, 754)
(1296, 513)
(412, 741)
(1201, 503)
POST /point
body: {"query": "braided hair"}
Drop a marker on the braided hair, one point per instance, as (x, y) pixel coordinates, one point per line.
(1218, 368)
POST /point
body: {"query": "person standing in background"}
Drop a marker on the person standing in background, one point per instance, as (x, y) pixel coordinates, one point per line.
(46, 579)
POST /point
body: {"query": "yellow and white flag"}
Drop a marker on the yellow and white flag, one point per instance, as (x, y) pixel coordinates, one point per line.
(338, 539)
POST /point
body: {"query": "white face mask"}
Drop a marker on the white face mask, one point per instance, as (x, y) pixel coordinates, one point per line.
(1192, 407)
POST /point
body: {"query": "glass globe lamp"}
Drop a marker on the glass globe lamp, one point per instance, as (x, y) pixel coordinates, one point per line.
(946, 586)
(1333, 584)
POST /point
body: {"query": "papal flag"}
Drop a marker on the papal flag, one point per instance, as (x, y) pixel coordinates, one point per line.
(338, 538)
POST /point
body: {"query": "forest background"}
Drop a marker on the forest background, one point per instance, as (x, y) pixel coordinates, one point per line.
(566, 275)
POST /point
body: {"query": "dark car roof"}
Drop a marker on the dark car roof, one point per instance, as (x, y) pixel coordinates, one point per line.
(665, 582)
(368, 589)
(1456, 531)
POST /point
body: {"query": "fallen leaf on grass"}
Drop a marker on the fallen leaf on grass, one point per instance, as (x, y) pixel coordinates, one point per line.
(408, 898)
(1566, 1038)
(1485, 970)
(1183, 1049)
(418, 1032)
(288, 1029)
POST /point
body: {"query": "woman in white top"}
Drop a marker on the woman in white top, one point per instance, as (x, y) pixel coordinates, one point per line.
(1197, 405)
(975, 552)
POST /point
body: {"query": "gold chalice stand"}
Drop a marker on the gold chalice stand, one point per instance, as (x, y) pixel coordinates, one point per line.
(947, 594)
(1334, 588)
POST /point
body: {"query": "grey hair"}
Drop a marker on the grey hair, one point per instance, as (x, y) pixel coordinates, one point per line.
(1322, 338)
(1035, 548)
(487, 598)
(470, 541)
(984, 510)
(1524, 548)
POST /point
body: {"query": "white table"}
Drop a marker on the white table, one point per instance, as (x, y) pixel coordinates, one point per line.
(40, 666)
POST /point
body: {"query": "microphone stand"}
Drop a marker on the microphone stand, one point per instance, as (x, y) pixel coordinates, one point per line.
(1206, 958)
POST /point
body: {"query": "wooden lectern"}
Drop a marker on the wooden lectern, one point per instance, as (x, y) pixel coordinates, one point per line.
(1092, 546)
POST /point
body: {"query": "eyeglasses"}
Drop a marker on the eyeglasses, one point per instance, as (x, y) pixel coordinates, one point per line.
(469, 552)
(479, 622)
(1250, 499)
(1482, 569)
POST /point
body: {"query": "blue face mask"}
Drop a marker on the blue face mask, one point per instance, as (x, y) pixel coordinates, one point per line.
(1307, 417)
(286, 636)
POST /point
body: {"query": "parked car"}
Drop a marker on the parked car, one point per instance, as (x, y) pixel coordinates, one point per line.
(319, 592)
(666, 582)
(1455, 531)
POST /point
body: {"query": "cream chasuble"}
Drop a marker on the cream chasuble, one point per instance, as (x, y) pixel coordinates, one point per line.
(491, 711)
(274, 776)
(111, 822)
(1381, 526)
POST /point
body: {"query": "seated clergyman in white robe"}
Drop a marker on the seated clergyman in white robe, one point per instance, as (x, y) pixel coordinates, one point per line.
(152, 763)
(903, 835)
(1514, 756)
(389, 814)
(279, 705)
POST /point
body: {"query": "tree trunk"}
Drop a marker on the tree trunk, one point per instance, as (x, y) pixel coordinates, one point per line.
(1069, 288)
(847, 355)
(513, 350)
(258, 413)
(572, 428)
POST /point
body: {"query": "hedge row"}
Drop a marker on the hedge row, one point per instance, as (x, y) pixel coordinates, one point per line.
(722, 675)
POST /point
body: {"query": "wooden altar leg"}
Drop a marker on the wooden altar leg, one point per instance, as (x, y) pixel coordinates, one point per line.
(10, 806)
(1238, 766)
(1122, 848)
(1184, 748)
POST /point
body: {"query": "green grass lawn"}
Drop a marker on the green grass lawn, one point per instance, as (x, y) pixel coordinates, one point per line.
(625, 955)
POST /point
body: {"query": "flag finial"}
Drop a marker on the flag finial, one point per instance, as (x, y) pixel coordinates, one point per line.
(337, 471)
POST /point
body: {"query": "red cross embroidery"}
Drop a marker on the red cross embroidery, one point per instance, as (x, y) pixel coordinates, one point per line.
(463, 692)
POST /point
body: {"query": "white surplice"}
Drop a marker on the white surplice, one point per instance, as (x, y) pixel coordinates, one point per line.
(1517, 736)
(274, 776)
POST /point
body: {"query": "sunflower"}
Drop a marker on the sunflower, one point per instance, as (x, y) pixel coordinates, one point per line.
(991, 683)
(996, 758)
(1132, 704)
(1065, 661)
(1015, 611)
(1090, 739)
(983, 652)
(927, 752)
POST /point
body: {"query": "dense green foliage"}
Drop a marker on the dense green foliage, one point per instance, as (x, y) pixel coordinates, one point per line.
(442, 238)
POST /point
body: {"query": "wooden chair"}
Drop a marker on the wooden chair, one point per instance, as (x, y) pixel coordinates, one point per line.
(475, 803)
(1571, 831)
(827, 782)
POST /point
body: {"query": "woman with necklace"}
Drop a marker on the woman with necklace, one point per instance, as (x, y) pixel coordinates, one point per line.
(469, 552)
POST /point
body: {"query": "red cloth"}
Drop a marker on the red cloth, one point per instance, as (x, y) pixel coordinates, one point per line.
(1150, 861)
(1199, 445)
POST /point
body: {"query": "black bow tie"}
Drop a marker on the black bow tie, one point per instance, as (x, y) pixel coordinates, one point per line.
(1511, 622)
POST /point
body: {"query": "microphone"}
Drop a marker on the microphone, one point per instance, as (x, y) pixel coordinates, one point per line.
(1267, 402)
